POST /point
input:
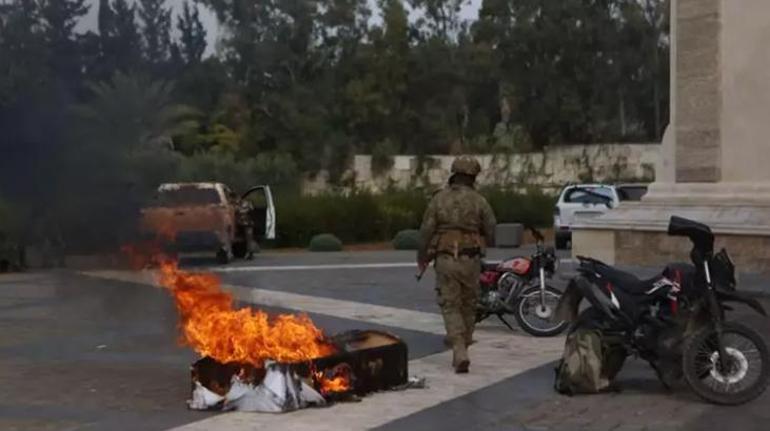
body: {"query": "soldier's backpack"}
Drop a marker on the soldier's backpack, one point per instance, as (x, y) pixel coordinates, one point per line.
(589, 363)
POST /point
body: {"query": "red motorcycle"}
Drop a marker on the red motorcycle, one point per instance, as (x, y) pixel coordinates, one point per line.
(518, 286)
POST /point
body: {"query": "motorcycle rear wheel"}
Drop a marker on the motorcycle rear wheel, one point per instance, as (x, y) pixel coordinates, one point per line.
(748, 357)
(526, 312)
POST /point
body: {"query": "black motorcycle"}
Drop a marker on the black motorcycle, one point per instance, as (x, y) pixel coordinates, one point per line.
(676, 321)
(519, 286)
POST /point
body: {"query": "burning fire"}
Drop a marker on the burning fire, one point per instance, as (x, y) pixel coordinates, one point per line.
(212, 327)
(339, 383)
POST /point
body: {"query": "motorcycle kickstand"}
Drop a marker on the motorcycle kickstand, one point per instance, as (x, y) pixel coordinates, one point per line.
(502, 319)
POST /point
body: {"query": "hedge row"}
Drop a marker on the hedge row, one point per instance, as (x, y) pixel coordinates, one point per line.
(533, 207)
(366, 217)
(355, 218)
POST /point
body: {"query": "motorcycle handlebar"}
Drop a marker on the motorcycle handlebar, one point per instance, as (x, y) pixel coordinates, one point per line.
(699, 234)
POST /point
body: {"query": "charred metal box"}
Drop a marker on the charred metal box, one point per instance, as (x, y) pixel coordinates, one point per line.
(375, 360)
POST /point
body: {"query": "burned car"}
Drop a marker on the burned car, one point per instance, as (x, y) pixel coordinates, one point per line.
(196, 217)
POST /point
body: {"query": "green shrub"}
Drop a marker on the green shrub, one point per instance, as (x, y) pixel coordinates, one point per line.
(366, 217)
(531, 208)
(10, 219)
(325, 242)
(402, 209)
(354, 218)
(408, 239)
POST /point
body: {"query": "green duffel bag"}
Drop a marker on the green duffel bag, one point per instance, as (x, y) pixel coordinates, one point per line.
(590, 362)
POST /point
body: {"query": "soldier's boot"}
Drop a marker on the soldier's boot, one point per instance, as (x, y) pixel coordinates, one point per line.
(460, 359)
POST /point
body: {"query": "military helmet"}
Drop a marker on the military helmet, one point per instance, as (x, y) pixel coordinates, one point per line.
(466, 165)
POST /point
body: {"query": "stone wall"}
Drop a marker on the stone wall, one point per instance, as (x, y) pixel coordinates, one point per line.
(549, 169)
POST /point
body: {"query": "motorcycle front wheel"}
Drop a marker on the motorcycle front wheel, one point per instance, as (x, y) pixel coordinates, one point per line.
(741, 378)
(536, 318)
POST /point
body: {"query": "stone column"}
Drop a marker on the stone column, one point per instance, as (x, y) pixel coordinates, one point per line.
(715, 164)
(696, 86)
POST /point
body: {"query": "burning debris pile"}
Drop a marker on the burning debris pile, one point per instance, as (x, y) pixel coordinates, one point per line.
(280, 390)
(213, 327)
(254, 362)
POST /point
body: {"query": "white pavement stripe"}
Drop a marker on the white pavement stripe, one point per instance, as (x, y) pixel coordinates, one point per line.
(379, 314)
(495, 357)
(313, 267)
(321, 267)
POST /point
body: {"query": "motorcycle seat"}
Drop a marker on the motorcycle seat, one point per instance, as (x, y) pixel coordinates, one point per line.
(626, 281)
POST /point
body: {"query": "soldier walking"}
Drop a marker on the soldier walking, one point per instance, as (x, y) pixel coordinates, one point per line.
(457, 227)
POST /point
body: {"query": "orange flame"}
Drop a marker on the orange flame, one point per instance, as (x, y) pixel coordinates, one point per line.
(212, 327)
(340, 383)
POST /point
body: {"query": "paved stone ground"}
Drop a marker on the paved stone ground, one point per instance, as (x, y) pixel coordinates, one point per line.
(99, 351)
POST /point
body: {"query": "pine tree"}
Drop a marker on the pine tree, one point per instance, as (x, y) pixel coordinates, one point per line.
(155, 23)
(193, 34)
(59, 18)
(125, 47)
(106, 19)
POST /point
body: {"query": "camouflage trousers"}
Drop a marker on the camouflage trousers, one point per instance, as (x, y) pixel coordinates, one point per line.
(457, 285)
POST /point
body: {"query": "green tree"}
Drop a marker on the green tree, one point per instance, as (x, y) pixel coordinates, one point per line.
(125, 45)
(106, 19)
(25, 80)
(644, 66)
(376, 98)
(122, 145)
(441, 89)
(23, 50)
(192, 39)
(134, 114)
(441, 17)
(58, 20)
(155, 23)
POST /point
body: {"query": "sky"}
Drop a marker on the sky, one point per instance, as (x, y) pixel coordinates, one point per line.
(469, 11)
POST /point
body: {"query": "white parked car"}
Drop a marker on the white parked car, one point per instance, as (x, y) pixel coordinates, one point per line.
(589, 200)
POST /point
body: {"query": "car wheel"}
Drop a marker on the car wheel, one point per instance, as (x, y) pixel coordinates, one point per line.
(240, 249)
(224, 255)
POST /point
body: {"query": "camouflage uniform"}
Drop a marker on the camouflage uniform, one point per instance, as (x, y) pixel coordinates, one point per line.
(456, 228)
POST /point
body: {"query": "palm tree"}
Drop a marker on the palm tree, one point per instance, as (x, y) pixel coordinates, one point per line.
(135, 114)
(124, 138)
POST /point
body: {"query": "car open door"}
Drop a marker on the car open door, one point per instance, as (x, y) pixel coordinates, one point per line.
(262, 211)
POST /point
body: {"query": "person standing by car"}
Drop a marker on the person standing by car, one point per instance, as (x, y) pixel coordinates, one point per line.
(457, 227)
